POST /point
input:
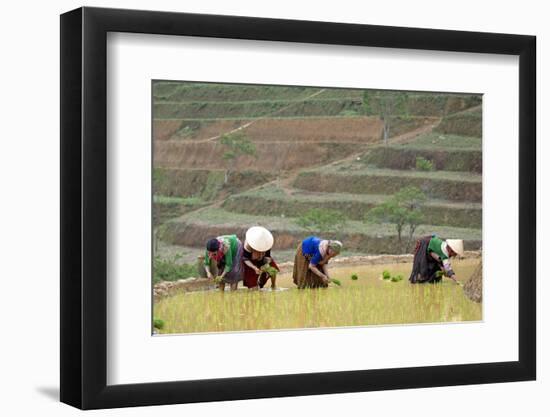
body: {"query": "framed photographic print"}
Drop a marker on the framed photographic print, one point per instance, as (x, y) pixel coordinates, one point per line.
(258, 207)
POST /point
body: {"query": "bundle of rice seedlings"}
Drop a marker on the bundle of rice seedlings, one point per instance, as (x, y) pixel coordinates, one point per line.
(335, 281)
(386, 274)
(354, 277)
(158, 324)
(272, 272)
(397, 278)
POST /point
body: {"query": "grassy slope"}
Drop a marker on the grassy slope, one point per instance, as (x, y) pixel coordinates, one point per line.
(220, 217)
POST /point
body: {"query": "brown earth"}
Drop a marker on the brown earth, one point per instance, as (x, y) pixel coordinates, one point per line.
(165, 129)
(269, 156)
(207, 184)
(443, 160)
(336, 129)
(434, 188)
(466, 123)
(474, 287)
(311, 129)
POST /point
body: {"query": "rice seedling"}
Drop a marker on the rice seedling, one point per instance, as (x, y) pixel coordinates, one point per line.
(269, 270)
(368, 301)
(158, 324)
(397, 278)
(336, 281)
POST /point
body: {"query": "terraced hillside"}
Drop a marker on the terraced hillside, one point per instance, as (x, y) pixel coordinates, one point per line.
(313, 148)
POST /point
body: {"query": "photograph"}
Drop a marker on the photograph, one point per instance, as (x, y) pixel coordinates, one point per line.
(278, 207)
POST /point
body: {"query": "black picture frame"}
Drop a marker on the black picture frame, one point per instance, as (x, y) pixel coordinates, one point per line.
(84, 207)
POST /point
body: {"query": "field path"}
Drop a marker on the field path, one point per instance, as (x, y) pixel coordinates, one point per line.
(213, 138)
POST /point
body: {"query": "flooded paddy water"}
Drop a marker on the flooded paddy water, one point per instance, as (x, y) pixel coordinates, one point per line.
(369, 300)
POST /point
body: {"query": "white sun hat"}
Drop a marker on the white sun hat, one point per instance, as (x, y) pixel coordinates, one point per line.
(457, 245)
(259, 238)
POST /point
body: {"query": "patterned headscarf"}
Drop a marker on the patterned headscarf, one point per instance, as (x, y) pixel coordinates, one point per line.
(215, 249)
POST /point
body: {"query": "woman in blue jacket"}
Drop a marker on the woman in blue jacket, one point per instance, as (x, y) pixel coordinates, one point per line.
(311, 259)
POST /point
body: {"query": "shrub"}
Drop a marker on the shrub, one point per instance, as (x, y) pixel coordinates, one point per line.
(397, 278)
(402, 209)
(170, 270)
(423, 164)
(322, 220)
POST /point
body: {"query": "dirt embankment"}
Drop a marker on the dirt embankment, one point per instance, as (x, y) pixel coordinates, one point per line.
(443, 160)
(204, 183)
(272, 157)
(167, 288)
(468, 123)
(165, 129)
(438, 188)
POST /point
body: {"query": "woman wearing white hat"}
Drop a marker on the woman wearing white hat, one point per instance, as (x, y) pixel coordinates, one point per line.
(432, 259)
(256, 254)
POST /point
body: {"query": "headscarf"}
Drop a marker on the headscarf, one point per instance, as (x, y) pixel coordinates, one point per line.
(336, 246)
(215, 249)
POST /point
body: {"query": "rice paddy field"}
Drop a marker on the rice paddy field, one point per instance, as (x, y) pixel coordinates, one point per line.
(367, 300)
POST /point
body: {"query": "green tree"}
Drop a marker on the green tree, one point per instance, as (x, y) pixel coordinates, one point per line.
(321, 220)
(386, 105)
(237, 144)
(403, 209)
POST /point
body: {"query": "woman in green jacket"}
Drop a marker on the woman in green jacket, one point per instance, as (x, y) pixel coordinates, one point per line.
(432, 259)
(225, 252)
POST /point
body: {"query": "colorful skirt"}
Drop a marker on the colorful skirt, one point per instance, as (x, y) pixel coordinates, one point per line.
(236, 273)
(425, 267)
(302, 276)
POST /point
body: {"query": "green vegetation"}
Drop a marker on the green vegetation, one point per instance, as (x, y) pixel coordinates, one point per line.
(385, 104)
(403, 209)
(404, 158)
(367, 301)
(237, 144)
(273, 201)
(336, 281)
(158, 324)
(171, 270)
(163, 199)
(354, 277)
(423, 164)
(386, 274)
(467, 123)
(397, 278)
(365, 234)
(272, 272)
(442, 142)
(358, 179)
(321, 220)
